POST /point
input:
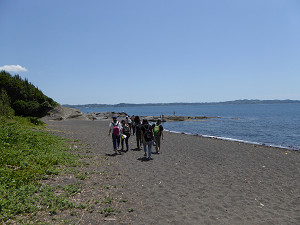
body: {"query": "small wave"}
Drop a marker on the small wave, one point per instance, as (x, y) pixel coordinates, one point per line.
(238, 140)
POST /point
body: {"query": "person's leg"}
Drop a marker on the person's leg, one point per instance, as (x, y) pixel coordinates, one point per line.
(145, 148)
(118, 141)
(155, 139)
(126, 141)
(122, 143)
(149, 149)
(158, 143)
(114, 139)
(138, 141)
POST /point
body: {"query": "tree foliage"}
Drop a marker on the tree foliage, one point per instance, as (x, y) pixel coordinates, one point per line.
(22, 97)
(5, 108)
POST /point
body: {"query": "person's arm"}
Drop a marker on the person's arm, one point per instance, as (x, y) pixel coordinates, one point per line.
(162, 133)
(109, 130)
(142, 135)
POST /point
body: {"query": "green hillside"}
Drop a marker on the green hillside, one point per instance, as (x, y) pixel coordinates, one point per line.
(18, 96)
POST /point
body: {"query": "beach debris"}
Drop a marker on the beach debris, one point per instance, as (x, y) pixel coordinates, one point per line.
(130, 210)
(262, 205)
(109, 219)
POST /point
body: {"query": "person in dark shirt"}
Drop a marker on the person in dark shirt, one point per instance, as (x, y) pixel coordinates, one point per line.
(147, 137)
(138, 127)
(125, 131)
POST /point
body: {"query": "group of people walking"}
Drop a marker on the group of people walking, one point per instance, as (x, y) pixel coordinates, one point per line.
(146, 134)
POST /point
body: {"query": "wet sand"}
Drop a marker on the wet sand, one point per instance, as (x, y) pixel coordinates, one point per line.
(195, 180)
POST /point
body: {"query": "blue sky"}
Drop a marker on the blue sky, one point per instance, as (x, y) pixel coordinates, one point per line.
(138, 51)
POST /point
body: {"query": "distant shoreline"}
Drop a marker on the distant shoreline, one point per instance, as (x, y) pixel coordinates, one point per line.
(236, 102)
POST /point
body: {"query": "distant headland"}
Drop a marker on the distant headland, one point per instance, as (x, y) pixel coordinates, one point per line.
(235, 102)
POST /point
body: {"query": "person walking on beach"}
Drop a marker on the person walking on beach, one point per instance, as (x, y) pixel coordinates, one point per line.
(133, 124)
(115, 128)
(128, 121)
(138, 127)
(125, 134)
(158, 134)
(147, 136)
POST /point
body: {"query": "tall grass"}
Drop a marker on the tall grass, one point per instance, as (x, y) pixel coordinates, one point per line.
(28, 155)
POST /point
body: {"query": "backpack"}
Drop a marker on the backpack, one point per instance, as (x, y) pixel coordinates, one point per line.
(156, 130)
(116, 129)
(126, 130)
(148, 133)
(138, 129)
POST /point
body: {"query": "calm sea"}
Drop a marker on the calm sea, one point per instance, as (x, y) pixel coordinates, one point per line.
(265, 124)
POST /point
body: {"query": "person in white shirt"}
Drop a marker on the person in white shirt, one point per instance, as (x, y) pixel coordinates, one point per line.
(115, 128)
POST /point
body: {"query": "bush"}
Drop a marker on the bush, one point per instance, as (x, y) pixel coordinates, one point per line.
(26, 99)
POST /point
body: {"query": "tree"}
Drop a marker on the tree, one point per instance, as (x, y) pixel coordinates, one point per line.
(26, 99)
(5, 108)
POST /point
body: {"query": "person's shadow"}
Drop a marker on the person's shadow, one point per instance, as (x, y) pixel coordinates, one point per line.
(155, 153)
(113, 154)
(145, 159)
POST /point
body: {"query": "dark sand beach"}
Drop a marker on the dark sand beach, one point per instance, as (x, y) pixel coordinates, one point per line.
(194, 180)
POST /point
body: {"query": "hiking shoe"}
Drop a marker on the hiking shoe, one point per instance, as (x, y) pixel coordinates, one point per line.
(145, 154)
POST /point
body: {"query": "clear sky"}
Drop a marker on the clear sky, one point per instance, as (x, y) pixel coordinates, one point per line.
(141, 51)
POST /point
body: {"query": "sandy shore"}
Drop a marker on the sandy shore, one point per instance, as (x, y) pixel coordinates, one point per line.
(195, 180)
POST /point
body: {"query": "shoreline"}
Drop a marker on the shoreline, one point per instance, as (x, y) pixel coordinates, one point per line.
(238, 141)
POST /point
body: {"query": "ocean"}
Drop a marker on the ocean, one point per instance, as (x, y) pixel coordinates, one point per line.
(275, 125)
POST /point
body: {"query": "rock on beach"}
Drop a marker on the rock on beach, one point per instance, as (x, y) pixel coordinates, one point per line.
(64, 113)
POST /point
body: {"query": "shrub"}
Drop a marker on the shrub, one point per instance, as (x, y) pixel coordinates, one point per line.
(26, 99)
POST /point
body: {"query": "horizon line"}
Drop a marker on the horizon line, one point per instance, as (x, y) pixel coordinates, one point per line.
(123, 103)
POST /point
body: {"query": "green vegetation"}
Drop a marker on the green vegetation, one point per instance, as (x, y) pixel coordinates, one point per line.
(108, 211)
(22, 98)
(108, 200)
(5, 108)
(29, 155)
